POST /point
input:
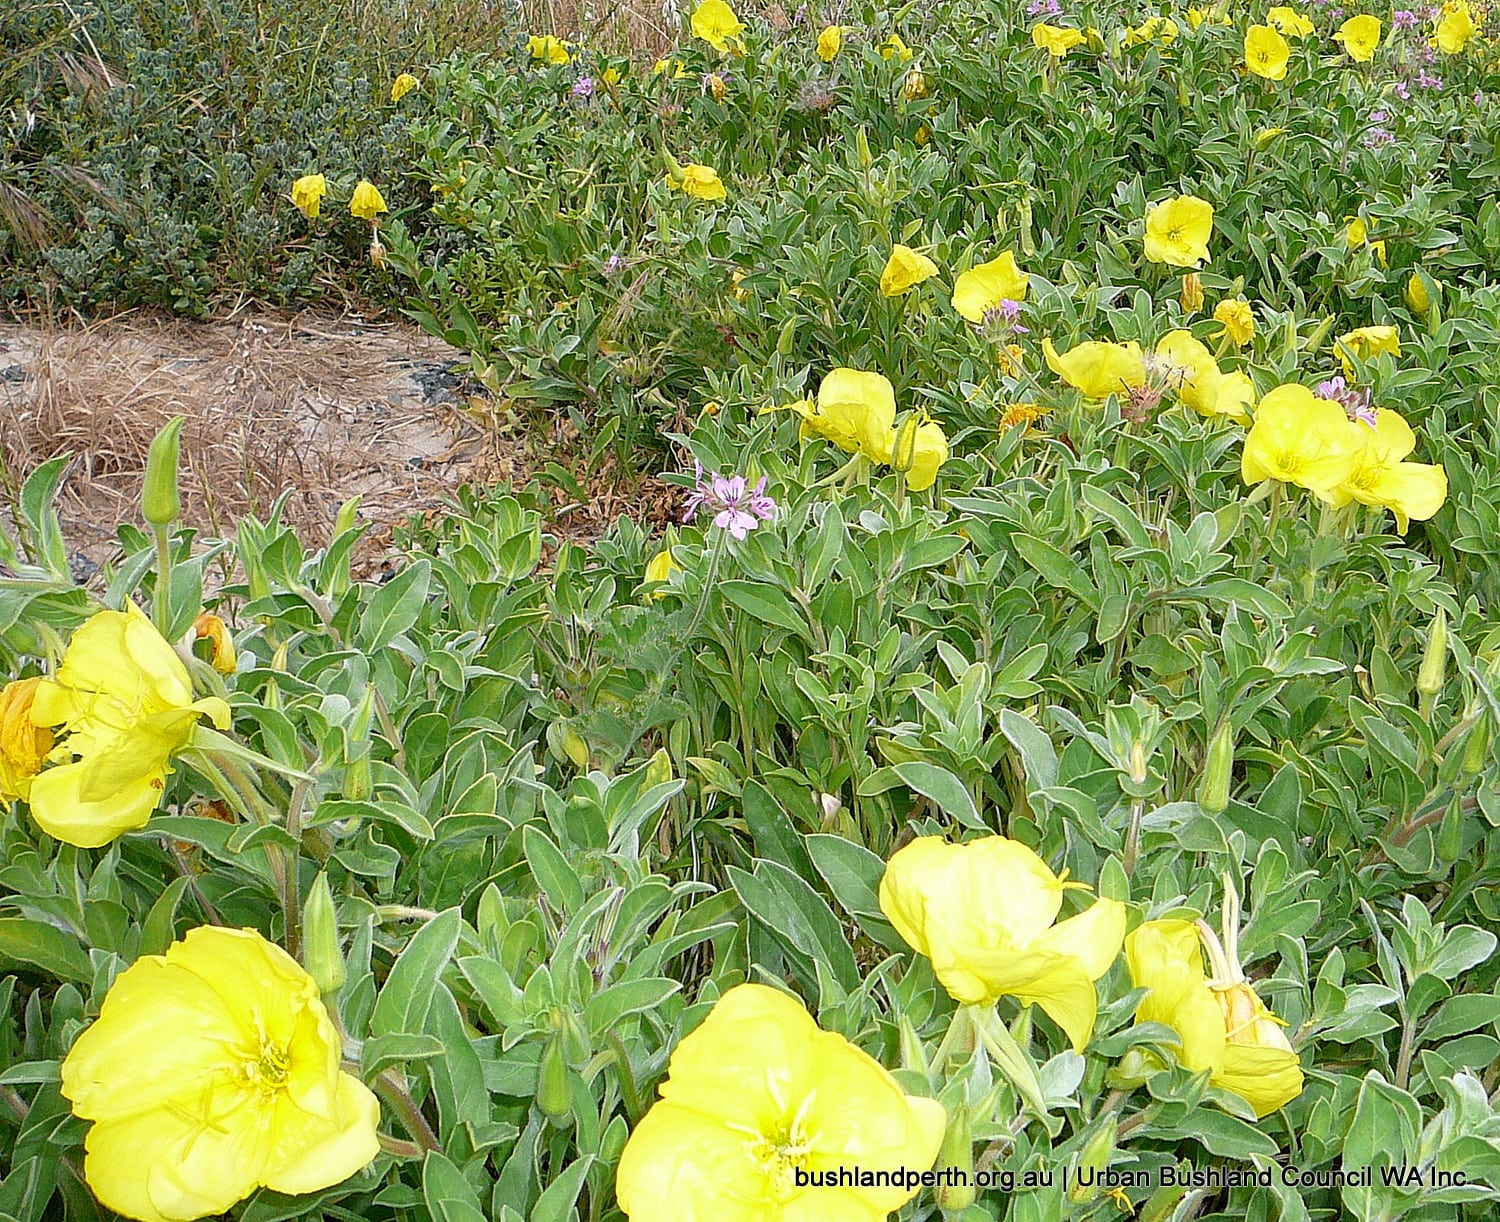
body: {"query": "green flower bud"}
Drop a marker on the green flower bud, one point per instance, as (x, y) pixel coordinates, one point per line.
(957, 1153)
(1218, 767)
(904, 444)
(1434, 656)
(1096, 1155)
(1450, 837)
(1477, 747)
(321, 955)
(554, 1093)
(161, 503)
(1162, 1203)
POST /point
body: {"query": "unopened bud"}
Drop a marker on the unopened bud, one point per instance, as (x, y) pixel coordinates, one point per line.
(916, 85)
(1477, 747)
(161, 504)
(1191, 295)
(1095, 1158)
(862, 148)
(904, 444)
(212, 629)
(1450, 837)
(1434, 656)
(831, 805)
(1417, 296)
(346, 517)
(320, 939)
(957, 1153)
(554, 1093)
(1218, 768)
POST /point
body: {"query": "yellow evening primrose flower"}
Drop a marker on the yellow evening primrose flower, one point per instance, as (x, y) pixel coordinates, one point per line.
(660, 569)
(307, 194)
(1222, 1024)
(124, 702)
(611, 77)
(855, 410)
(366, 202)
(1289, 21)
(213, 1070)
(548, 49)
(1159, 28)
(1055, 39)
(918, 448)
(1191, 370)
(914, 88)
(1366, 342)
(715, 22)
(829, 43)
(904, 269)
(1299, 439)
(1214, 15)
(983, 912)
(1178, 229)
(1266, 52)
(1098, 368)
(216, 632)
(24, 745)
(981, 289)
(403, 85)
(699, 181)
(1455, 26)
(1413, 491)
(1356, 233)
(673, 68)
(1360, 36)
(895, 47)
(758, 1093)
(1238, 320)
(1416, 295)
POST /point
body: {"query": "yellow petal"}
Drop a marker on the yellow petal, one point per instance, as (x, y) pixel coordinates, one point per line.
(982, 288)
(1092, 937)
(1266, 1078)
(59, 809)
(1098, 369)
(681, 1164)
(310, 1153)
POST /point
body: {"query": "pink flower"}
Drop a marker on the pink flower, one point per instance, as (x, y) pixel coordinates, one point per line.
(740, 509)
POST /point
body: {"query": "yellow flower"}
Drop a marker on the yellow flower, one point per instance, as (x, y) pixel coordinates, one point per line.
(611, 77)
(1190, 294)
(904, 269)
(1454, 27)
(1365, 343)
(983, 912)
(915, 86)
(1266, 52)
(893, 46)
(922, 136)
(213, 1070)
(1055, 39)
(918, 448)
(981, 289)
(548, 49)
(829, 42)
(125, 703)
(308, 192)
(660, 569)
(1213, 15)
(1024, 414)
(1238, 320)
(1360, 36)
(24, 745)
(403, 85)
(1178, 229)
(715, 23)
(1299, 439)
(1191, 370)
(1097, 368)
(1222, 1024)
(699, 181)
(1224, 394)
(1159, 28)
(855, 410)
(1356, 233)
(1380, 477)
(1417, 296)
(366, 203)
(758, 1093)
(1290, 22)
(212, 629)
(715, 86)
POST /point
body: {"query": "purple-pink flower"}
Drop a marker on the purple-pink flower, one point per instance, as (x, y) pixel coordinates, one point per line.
(1356, 402)
(736, 508)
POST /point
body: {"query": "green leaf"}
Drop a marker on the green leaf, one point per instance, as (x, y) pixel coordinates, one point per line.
(940, 785)
(38, 944)
(395, 607)
(449, 1196)
(403, 1003)
(798, 916)
(556, 1203)
(1057, 569)
(557, 879)
(766, 603)
(382, 1050)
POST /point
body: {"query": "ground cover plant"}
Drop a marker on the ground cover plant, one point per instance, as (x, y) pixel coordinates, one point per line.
(1054, 754)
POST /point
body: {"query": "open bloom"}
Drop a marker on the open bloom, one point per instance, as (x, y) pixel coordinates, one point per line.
(403, 85)
(1299, 439)
(714, 22)
(1178, 229)
(1455, 26)
(1360, 36)
(1191, 370)
(1366, 342)
(830, 41)
(24, 745)
(125, 705)
(904, 270)
(549, 49)
(1289, 21)
(1056, 40)
(699, 181)
(1381, 477)
(308, 192)
(981, 289)
(213, 1070)
(736, 508)
(983, 912)
(855, 410)
(896, 47)
(1222, 1024)
(1266, 52)
(660, 569)
(758, 1093)
(1098, 368)
(367, 202)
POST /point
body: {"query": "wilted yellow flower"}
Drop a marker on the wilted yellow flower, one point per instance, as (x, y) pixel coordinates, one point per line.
(308, 192)
(715, 86)
(548, 49)
(893, 46)
(213, 1070)
(1356, 233)
(855, 410)
(1366, 342)
(660, 569)
(981, 289)
(1190, 293)
(699, 181)
(904, 269)
(24, 745)
(403, 85)
(212, 629)
(1266, 52)
(366, 202)
(1299, 439)
(983, 912)
(1360, 36)
(915, 85)
(1238, 320)
(1289, 21)
(714, 22)
(1190, 369)
(922, 136)
(1098, 368)
(1178, 229)
(1223, 1026)
(758, 1093)
(1055, 39)
(1025, 414)
(829, 43)
(125, 704)
(1413, 491)
(1455, 26)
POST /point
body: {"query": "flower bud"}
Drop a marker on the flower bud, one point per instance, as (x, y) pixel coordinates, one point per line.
(862, 148)
(212, 629)
(904, 444)
(554, 1093)
(1417, 296)
(1096, 1155)
(1268, 136)
(1450, 837)
(958, 1154)
(1434, 656)
(1218, 767)
(1191, 295)
(161, 503)
(320, 939)
(347, 516)
(1477, 747)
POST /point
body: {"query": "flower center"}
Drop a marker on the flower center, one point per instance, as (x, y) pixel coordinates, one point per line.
(268, 1069)
(782, 1152)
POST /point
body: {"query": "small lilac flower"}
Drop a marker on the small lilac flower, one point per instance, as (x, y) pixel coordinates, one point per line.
(1404, 19)
(740, 509)
(583, 88)
(1401, 91)
(1379, 116)
(1376, 137)
(613, 266)
(1356, 403)
(1429, 82)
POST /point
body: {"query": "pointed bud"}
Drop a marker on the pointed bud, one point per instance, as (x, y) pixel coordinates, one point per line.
(1434, 657)
(1450, 837)
(1191, 295)
(1218, 769)
(862, 148)
(1477, 747)
(904, 444)
(554, 1093)
(320, 939)
(958, 1155)
(1095, 1158)
(161, 504)
(1417, 296)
